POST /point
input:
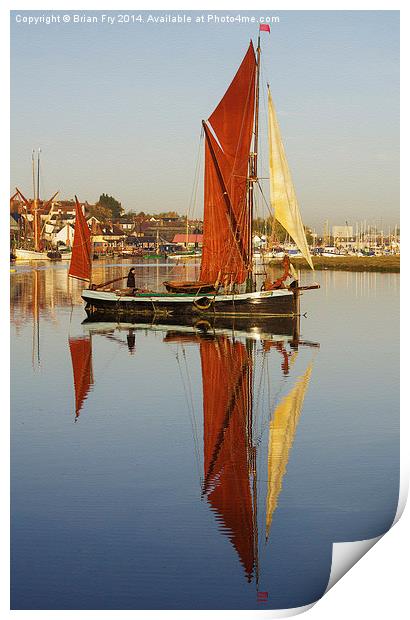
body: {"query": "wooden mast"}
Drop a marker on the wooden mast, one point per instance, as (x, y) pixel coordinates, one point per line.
(36, 201)
(253, 173)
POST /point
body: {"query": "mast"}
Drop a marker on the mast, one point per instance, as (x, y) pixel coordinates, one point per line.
(35, 204)
(33, 173)
(253, 174)
(91, 236)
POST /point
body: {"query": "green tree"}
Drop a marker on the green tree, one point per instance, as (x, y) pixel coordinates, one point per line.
(110, 203)
(168, 214)
(279, 232)
(101, 213)
(309, 236)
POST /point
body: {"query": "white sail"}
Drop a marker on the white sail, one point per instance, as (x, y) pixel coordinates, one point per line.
(282, 193)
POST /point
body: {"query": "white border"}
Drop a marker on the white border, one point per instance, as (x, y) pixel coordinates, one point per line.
(378, 585)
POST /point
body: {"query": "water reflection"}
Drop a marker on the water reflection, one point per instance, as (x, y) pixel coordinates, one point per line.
(205, 456)
(240, 404)
(81, 359)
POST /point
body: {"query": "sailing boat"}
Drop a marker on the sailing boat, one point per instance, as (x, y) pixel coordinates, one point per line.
(36, 252)
(227, 283)
(158, 253)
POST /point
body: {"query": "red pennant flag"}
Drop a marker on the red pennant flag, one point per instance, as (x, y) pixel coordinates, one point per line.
(264, 28)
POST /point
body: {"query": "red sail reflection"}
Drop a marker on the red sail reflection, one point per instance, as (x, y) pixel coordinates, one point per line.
(80, 349)
(226, 378)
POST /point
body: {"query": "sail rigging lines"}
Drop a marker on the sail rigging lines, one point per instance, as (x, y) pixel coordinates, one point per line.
(198, 165)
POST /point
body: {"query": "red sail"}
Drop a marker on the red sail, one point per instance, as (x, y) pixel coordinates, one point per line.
(80, 265)
(226, 226)
(225, 370)
(80, 349)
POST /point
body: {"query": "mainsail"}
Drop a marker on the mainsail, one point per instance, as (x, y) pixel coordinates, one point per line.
(282, 192)
(80, 349)
(80, 264)
(225, 371)
(281, 435)
(228, 135)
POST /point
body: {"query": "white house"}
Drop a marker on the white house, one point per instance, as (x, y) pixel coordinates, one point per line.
(65, 235)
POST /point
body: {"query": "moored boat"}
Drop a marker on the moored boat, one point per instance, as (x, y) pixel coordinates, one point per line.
(22, 254)
(227, 280)
(262, 303)
(34, 248)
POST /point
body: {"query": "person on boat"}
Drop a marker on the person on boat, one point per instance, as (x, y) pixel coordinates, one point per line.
(131, 278)
(287, 279)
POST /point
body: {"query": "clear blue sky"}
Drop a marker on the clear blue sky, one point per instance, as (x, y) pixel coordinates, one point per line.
(118, 108)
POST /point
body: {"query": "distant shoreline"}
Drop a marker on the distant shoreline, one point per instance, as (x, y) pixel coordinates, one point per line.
(389, 264)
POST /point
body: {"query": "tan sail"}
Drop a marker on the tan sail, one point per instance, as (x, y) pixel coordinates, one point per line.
(281, 434)
(282, 193)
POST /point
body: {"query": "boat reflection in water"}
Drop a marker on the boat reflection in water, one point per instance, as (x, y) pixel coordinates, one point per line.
(241, 404)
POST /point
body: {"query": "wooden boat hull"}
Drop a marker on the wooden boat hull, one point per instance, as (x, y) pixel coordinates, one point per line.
(262, 304)
(30, 255)
(21, 254)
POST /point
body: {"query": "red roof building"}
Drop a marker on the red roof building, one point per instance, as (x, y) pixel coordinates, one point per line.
(190, 239)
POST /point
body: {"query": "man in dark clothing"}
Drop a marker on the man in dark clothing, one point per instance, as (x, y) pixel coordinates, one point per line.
(131, 278)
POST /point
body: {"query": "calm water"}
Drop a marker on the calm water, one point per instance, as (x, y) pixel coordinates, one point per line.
(163, 467)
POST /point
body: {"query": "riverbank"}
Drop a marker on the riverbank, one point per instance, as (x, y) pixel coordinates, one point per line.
(350, 263)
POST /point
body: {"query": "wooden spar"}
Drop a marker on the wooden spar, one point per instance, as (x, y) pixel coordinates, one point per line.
(96, 286)
(231, 215)
(307, 287)
(24, 199)
(45, 207)
(46, 204)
